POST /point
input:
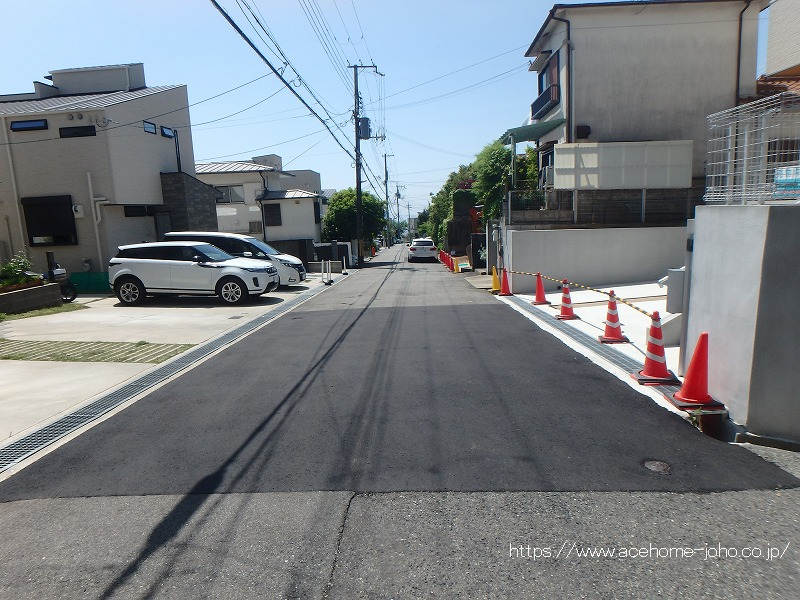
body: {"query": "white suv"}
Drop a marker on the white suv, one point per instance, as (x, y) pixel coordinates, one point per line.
(290, 268)
(190, 268)
(421, 249)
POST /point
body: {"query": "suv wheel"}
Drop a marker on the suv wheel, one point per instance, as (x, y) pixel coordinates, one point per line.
(129, 290)
(231, 291)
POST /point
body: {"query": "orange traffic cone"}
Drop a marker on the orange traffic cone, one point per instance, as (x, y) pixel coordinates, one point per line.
(694, 391)
(540, 298)
(613, 333)
(495, 281)
(504, 289)
(566, 313)
(655, 370)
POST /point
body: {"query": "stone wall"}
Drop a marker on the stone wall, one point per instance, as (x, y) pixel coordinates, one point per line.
(192, 204)
(40, 296)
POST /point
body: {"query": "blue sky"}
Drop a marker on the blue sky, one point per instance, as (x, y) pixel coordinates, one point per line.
(187, 41)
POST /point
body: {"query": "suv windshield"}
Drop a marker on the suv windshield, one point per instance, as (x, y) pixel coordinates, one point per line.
(265, 248)
(213, 253)
(422, 243)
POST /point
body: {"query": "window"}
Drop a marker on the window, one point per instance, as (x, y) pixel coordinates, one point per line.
(272, 214)
(167, 132)
(50, 221)
(135, 210)
(80, 131)
(317, 212)
(231, 194)
(33, 125)
(149, 127)
(255, 227)
(549, 74)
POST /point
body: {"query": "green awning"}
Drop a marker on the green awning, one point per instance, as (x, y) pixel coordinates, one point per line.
(530, 133)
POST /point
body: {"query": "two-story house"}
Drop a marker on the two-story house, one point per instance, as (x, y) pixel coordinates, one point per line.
(93, 160)
(260, 198)
(622, 94)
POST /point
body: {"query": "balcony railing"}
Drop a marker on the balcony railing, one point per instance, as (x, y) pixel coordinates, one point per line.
(545, 102)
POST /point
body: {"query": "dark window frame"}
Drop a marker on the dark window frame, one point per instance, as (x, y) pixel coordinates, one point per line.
(51, 217)
(17, 126)
(77, 131)
(269, 219)
(545, 70)
(317, 212)
(152, 129)
(168, 132)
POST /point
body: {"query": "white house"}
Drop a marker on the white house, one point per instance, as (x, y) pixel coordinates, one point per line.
(622, 94)
(260, 198)
(96, 159)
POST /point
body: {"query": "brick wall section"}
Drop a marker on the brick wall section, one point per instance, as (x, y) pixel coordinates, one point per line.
(30, 299)
(191, 203)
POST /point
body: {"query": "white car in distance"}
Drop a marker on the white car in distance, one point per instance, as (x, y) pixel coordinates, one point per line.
(422, 249)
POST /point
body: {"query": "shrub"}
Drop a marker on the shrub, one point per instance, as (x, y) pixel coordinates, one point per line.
(13, 271)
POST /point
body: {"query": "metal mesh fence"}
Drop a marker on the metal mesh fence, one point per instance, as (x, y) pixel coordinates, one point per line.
(754, 152)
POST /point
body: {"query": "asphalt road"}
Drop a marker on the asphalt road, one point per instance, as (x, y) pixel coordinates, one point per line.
(351, 446)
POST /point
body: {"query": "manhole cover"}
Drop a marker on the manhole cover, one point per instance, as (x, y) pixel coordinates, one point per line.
(657, 466)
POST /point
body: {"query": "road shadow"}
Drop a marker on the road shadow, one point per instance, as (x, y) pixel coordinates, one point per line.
(191, 502)
(199, 302)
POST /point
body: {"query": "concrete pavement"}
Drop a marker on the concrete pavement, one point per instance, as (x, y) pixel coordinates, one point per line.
(407, 428)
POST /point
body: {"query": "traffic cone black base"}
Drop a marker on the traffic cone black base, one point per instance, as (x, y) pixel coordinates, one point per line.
(671, 379)
(607, 340)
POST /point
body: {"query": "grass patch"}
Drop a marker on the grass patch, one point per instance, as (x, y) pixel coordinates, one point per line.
(40, 312)
(141, 352)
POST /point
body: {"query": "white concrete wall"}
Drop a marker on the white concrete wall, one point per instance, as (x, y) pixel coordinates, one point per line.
(623, 165)
(300, 179)
(594, 256)
(783, 49)
(724, 296)
(137, 157)
(119, 230)
(745, 278)
(297, 218)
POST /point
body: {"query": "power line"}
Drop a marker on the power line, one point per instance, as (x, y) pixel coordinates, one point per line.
(442, 76)
(434, 148)
(483, 82)
(290, 161)
(275, 93)
(263, 147)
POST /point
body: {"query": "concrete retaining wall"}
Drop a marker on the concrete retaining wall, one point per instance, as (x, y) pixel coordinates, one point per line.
(594, 256)
(745, 279)
(40, 296)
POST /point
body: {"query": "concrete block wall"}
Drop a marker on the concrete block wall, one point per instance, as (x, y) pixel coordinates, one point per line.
(191, 203)
(40, 296)
(594, 256)
(744, 283)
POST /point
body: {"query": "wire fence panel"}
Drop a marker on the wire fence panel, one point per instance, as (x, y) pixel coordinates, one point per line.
(754, 152)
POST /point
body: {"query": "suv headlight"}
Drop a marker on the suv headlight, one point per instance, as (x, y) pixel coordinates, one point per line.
(288, 263)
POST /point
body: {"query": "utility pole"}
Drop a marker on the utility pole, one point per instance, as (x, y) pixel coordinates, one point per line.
(408, 206)
(386, 192)
(397, 197)
(360, 134)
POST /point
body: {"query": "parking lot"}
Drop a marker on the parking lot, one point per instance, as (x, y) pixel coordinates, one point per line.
(40, 390)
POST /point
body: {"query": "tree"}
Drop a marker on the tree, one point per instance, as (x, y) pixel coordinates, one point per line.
(340, 220)
(491, 168)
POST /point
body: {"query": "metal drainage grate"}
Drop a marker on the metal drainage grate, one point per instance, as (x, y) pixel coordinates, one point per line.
(33, 442)
(612, 355)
